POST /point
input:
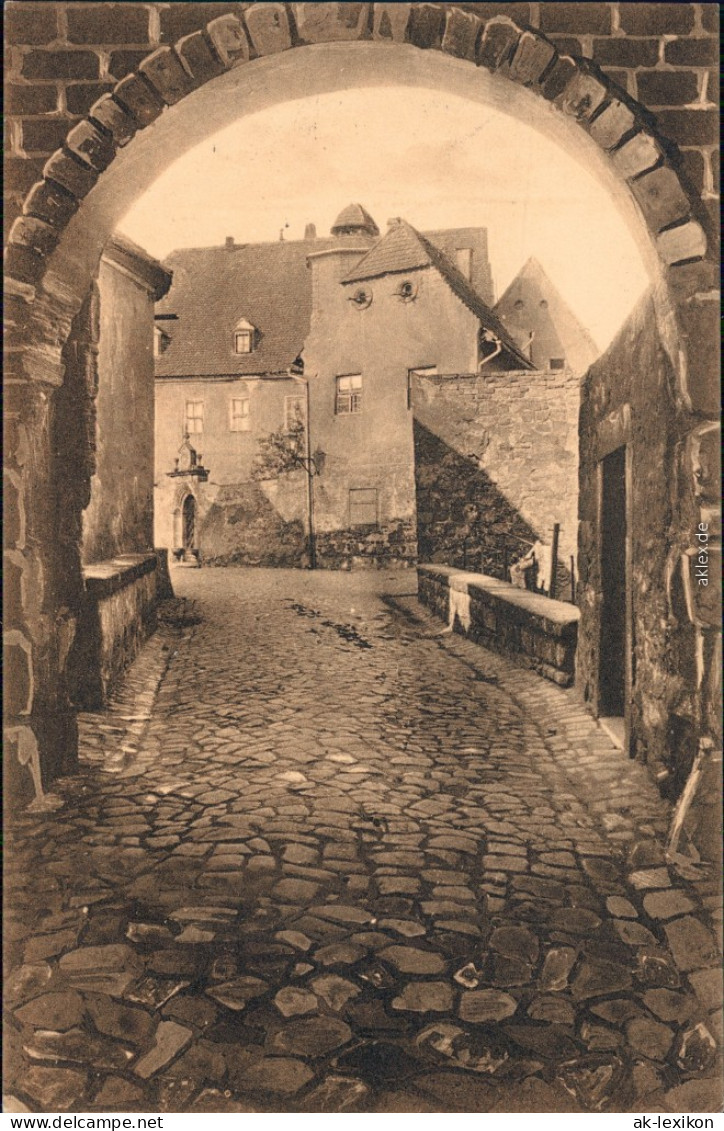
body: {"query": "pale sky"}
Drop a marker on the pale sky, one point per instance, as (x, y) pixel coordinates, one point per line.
(448, 162)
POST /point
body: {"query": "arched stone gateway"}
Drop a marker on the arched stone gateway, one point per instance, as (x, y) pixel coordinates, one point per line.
(266, 52)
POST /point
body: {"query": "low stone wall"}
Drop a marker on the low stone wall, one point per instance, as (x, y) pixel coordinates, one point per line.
(119, 613)
(534, 631)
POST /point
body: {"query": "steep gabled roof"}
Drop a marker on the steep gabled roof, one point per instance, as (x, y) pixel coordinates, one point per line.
(532, 303)
(403, 249)
(268, 284)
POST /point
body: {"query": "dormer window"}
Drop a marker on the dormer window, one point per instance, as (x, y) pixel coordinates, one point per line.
(244, 335)
(161, 341)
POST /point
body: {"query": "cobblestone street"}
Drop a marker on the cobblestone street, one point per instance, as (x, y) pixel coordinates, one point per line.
(322, 856)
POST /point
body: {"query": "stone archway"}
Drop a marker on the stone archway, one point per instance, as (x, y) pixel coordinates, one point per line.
(54, 249)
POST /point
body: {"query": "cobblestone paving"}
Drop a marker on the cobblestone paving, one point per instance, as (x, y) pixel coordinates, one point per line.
(321, 857)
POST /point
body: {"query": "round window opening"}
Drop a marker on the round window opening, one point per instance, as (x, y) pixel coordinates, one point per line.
(407, 291)
(519, 304)
(361, 298)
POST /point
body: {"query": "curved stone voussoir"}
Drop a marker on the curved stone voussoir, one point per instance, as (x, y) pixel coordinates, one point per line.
(34, 234)
(139, 99)
(229, 40)
(684, 242)
(525, 56)
(462, 34)
(497, 43)
(389, 22)
(48, 202)
(167, 75)
(108, 114)
(268, 28)
(91, 145)
(71, 174)
(532, 58)
(661, 198)
(327, 23)
(583, 95)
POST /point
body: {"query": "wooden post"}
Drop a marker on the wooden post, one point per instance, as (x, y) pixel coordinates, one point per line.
(553, 589)
(573, 580)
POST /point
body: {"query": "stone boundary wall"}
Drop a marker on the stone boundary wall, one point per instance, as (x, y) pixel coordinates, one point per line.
(495, 454)
(118, 615)
(531, 630)
(389, 545)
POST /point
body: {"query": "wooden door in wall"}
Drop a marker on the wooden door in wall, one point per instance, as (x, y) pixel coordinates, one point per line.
(615, 637)
(188, 524)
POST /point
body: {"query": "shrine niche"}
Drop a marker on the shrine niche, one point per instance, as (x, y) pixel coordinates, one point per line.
(188, 462)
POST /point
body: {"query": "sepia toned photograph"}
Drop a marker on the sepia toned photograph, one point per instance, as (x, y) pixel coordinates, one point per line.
(362, 561)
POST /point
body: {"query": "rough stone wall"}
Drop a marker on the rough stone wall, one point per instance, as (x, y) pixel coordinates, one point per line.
(245, 524)
(62, 57)
(105, 413)
(119, 516)
(630, 396)
(384, 545)
(495, 454)
(118, 614)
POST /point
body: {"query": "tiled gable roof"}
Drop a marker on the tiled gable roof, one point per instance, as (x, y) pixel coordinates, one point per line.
(405, 249)
(268, 284)
(400, 249)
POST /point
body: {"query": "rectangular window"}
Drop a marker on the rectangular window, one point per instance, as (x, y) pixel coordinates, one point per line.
(194, 417)
(294, 412)
(557, 363)
(239, 420)
(242, 341)
(349, 394)
(363, 506)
